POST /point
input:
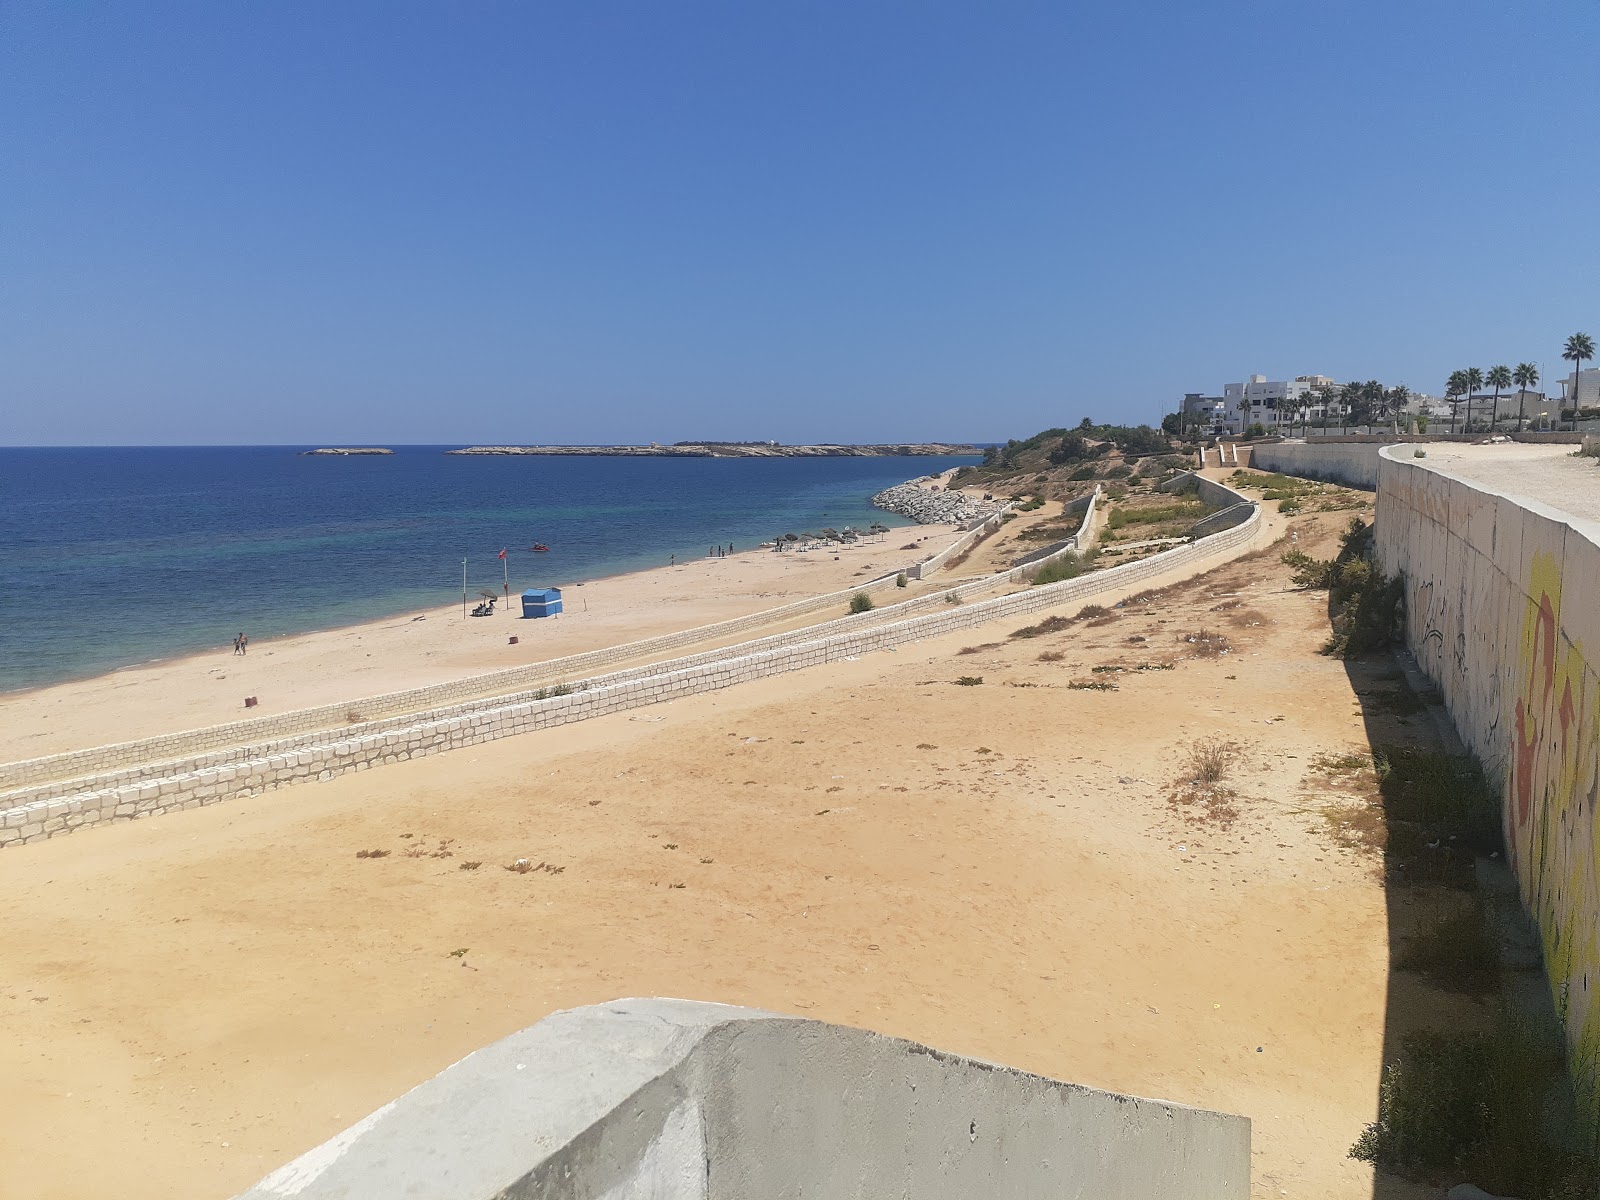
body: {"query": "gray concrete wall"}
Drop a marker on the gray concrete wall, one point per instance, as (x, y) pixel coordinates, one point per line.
(1353, 464)
(677, 1099)
(1503, 614)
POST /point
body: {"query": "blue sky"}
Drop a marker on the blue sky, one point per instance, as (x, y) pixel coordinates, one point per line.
(398, 222)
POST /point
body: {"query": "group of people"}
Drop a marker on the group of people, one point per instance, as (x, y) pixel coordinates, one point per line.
(719, 552)
(241, 644)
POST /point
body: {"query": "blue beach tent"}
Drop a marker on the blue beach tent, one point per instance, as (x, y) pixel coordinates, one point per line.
(541, 602)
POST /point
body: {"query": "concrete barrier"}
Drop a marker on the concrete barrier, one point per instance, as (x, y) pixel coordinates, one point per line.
(693, 1101)
(936, 563)
(1503, 614)
(1352, 464)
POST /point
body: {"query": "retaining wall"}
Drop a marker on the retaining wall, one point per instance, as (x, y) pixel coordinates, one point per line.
(165, 747)
(37, 814)
(672, 1098)
(1353, 464)
(1503, 614)
(961, 545)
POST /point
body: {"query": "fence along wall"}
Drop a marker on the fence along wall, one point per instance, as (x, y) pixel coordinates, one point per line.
(163, 788)
(709, 1102)
(1503, 614)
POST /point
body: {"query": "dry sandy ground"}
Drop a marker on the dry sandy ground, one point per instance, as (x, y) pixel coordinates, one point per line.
(997, 870)
(402, 652)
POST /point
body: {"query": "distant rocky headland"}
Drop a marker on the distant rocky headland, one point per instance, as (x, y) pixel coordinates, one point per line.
(349, 450)
(727, 450)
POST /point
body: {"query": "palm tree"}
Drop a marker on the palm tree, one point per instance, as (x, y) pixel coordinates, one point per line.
(1497, 378)
(1396, 401)
(1473, 378)
(1525, 376)
(1349, 397)
(1377, 400)
(1454, 387)
(1579, 347)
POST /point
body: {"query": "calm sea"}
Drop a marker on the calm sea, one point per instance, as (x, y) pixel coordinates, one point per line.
(110, 557)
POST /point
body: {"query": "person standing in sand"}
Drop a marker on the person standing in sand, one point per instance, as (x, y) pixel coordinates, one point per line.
(238, 643)
(244, 644)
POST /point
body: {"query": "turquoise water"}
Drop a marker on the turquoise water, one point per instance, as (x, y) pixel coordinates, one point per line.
(113, 556)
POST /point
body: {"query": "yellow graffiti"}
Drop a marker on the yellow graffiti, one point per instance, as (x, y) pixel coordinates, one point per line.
(1552, 832)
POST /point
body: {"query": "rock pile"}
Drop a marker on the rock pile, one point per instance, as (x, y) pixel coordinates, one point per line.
(931, 508)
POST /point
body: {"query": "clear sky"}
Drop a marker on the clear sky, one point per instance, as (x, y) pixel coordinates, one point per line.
(387, 222)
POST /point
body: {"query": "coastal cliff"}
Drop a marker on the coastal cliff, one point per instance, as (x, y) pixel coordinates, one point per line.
(732, 450)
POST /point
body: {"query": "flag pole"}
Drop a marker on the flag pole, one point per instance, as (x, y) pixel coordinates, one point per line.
(463, 588)
(505, 577)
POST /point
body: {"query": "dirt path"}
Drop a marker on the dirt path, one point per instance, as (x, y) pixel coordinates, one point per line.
(996, 869)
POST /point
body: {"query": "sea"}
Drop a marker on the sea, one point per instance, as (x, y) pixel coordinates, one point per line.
(111, 557)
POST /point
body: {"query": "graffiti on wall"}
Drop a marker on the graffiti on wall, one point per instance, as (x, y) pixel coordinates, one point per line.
(1553, 834)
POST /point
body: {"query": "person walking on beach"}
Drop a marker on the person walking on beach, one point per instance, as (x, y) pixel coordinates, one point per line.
(244, 644)
(238, 643)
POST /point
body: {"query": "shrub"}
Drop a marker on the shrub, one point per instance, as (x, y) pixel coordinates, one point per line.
(900, 580)
(969, 680)
(1475, 1104)
(860, 603)
(1063, 566)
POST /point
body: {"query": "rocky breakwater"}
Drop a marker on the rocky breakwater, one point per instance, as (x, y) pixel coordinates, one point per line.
(340, 451)
(932, 508)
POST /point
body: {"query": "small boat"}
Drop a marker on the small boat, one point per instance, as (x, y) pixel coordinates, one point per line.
(539, 548)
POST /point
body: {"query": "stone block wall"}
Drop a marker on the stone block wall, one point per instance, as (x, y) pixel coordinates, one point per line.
(49, 810)
(1503, 614)
(673, 1098)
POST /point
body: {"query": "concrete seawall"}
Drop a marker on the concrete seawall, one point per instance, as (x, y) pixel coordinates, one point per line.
(1503, 614)
(672, 1098)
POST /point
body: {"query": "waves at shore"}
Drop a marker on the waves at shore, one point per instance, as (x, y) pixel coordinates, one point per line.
(121, 556)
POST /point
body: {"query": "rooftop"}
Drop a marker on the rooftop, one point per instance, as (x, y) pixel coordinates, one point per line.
(1546, 473)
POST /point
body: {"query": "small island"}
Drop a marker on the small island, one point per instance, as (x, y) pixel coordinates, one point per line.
(735, 450)
(349, 450)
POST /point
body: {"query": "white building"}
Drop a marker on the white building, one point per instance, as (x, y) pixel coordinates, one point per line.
(1585, 385)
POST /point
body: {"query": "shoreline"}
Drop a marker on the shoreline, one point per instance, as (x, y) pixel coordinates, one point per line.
(421, 645)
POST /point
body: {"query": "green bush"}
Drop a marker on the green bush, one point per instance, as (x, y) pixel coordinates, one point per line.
(860, 603)
(901, 580)
(1474, 1104)
(1064, 566)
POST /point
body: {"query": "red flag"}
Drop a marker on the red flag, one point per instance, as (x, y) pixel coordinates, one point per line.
(502, 554)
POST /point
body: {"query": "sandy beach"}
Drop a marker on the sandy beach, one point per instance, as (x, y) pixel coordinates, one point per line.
(995, 870)
(419, 648)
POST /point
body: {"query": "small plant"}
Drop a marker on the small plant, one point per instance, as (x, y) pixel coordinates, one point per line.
(979, 649)
(951, 598)
(1207, 643)
(1051, 656)
(372, 854)
(1068, 565)
(354, 717)
(469, 866)
(969, 680)
(1208, 761)
(901, 580)
(461, 953)
(1091, 685)
(1089, 611)
(926, 746)
(1048, 625)
(1420, 453)
(860, 603)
